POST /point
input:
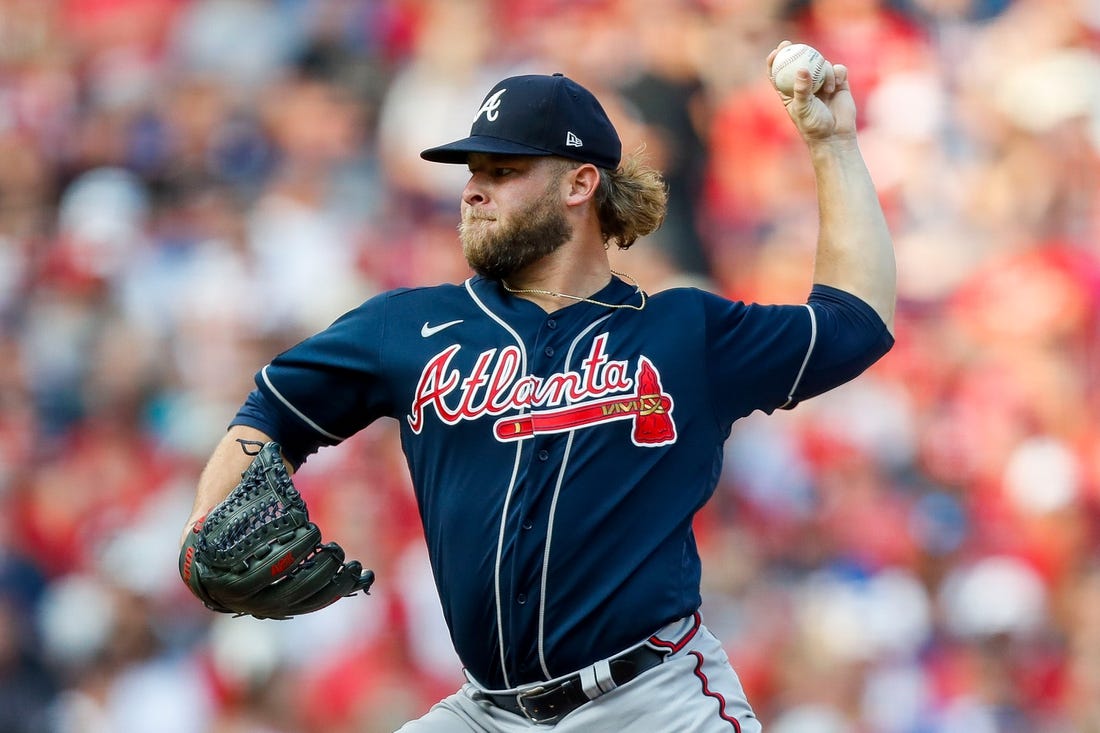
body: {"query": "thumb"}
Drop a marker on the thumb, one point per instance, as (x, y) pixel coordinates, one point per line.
(803, 86)
(800, 103)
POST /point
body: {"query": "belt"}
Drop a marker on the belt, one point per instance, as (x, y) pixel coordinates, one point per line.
(548, 702)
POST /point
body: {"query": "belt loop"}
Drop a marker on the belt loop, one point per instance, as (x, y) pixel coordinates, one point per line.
(597, 680)
(603, 675)
(589, 684)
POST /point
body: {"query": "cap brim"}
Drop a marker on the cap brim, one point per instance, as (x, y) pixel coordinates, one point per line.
(459, 151)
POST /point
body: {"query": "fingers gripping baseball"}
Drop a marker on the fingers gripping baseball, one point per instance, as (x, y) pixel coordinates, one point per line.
(814, 92)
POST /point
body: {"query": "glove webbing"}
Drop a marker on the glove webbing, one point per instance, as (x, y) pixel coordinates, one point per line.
(253, 511)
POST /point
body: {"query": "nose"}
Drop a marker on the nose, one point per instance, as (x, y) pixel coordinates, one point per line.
(473, 194)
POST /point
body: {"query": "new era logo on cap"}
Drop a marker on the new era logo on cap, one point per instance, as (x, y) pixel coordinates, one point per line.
(538, 115)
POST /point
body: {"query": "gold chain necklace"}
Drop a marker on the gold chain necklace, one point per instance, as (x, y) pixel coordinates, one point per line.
(538, 291)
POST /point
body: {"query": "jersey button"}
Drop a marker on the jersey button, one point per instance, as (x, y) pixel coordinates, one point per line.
(549, 351)
(543, 455)
(521, 598)
(527, 524)
(551, 323)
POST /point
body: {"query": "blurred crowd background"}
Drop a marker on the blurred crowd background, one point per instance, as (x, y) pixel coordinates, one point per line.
(189, 186)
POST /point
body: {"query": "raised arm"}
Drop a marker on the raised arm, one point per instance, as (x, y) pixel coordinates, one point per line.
(855, 252)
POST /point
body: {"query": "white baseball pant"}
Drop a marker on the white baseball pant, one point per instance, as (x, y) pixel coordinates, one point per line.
(695, 690)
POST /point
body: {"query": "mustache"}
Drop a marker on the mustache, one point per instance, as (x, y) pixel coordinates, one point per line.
(469, 218)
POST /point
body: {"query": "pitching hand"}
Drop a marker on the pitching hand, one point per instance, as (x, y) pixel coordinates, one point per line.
(831, 113)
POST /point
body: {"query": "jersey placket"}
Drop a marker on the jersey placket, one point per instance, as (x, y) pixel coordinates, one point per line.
(523, 584)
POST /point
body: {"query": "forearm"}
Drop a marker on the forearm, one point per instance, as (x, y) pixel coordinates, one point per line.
(223, 471)
(855, 252)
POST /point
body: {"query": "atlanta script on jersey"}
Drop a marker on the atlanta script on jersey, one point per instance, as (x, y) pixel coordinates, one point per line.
(546, 450)
(600, 391)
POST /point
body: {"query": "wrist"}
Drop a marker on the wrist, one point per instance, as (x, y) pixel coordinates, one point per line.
(837, 144)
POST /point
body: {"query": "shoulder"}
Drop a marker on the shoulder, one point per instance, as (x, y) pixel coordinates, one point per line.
(718, 312)
(681, 295)
(399, 299)
(425, 293)
(693, 298)
(396, 311)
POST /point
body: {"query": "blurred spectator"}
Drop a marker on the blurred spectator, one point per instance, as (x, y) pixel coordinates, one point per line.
(27, 685)
(666, 91)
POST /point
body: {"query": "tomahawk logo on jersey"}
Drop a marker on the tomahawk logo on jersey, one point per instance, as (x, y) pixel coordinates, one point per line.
(601, 391)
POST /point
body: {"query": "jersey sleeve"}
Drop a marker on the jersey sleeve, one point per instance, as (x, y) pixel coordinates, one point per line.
(767, 357)
(326, 388)
(849, 338)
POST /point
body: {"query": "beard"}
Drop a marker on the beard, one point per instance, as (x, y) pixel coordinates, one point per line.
(499, 251)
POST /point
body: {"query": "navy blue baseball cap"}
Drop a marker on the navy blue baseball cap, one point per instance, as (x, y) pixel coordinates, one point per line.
(538, 115)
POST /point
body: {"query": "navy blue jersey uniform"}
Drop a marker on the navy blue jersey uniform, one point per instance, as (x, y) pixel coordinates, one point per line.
(558, 458)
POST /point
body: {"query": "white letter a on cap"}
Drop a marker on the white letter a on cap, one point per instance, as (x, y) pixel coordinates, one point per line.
(491, 107)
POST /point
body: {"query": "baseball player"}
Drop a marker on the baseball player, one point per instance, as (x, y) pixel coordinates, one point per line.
(562, 427)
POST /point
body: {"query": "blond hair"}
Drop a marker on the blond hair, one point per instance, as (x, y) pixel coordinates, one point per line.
(631, 201)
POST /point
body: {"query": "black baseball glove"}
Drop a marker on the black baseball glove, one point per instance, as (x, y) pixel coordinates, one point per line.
(258, 554)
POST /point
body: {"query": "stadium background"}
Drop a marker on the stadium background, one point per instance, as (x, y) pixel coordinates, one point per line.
(188, 186)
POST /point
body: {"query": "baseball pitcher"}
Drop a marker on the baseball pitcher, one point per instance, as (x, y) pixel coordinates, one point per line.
(561, 426)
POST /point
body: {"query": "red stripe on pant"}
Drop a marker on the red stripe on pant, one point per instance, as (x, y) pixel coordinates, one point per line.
(710, 693)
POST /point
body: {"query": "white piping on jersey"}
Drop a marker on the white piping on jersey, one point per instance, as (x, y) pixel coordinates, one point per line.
(554, 509)
(301, 415)
(511, 489)
(805, 361)
(499, 560)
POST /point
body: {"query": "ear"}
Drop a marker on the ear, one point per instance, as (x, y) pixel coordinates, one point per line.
(581, 184)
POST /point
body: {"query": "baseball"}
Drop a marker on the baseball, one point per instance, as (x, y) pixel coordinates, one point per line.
(792, 58)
